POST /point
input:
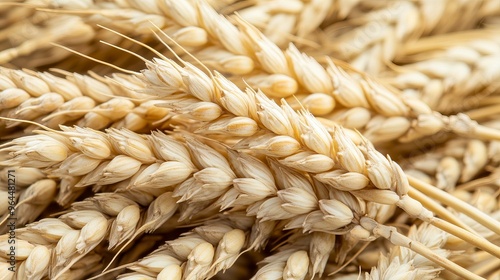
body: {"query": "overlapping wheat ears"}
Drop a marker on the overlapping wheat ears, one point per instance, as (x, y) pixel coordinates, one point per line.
(318, 139)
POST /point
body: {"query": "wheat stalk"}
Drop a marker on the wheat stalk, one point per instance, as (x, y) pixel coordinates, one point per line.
(483, 198)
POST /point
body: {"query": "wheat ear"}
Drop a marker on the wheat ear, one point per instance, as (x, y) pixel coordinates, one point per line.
(204, 96)
(426, 70)
(407, 121)
(198, 254)
(456, 161)
(133, 151)
(90, 101)
(68, 30)
(280, 126)
(399, 24)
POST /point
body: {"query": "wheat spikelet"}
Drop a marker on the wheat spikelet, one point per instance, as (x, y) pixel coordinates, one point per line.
(34, 194)
(32, 201)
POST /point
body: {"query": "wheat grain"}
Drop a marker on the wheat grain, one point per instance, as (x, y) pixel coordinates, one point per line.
(33, 201)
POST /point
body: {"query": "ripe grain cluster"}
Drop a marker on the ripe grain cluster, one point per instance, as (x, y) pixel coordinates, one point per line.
(207, 139)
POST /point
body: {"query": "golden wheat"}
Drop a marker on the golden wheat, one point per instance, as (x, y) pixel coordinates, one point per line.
(246, 155)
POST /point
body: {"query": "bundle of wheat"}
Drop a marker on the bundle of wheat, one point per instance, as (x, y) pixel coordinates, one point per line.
(239, 151)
